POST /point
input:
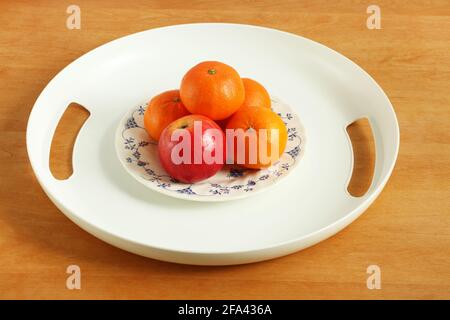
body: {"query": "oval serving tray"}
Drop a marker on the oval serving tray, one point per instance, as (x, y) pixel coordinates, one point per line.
(138, 154)
(326, 89)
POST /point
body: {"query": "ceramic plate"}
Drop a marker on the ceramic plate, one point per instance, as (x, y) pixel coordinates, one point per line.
(139, 156)
(311, 203)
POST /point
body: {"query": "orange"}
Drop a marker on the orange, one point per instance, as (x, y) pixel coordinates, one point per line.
(162, 110)
(251, 120)
(255, 94)
(212, 89)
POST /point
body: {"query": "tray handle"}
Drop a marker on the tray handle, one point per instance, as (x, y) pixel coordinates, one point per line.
(386, 136)
(40, 133)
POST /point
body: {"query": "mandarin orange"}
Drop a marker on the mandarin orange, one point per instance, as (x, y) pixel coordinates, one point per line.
(212, 89)
(255, 94)
(161, 111)
(269, 145)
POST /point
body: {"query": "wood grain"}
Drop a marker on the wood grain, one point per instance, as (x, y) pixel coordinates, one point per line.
(61, 151)
(363, 146)
(406, 231)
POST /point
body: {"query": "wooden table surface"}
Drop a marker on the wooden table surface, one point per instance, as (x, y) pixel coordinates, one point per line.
(406, 232)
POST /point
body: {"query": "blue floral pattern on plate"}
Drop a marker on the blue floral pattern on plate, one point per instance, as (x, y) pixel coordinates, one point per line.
(138, 154)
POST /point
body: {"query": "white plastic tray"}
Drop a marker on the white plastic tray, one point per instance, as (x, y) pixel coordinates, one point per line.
(327, 90)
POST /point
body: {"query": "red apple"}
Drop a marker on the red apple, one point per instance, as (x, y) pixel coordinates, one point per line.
(192, 148)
